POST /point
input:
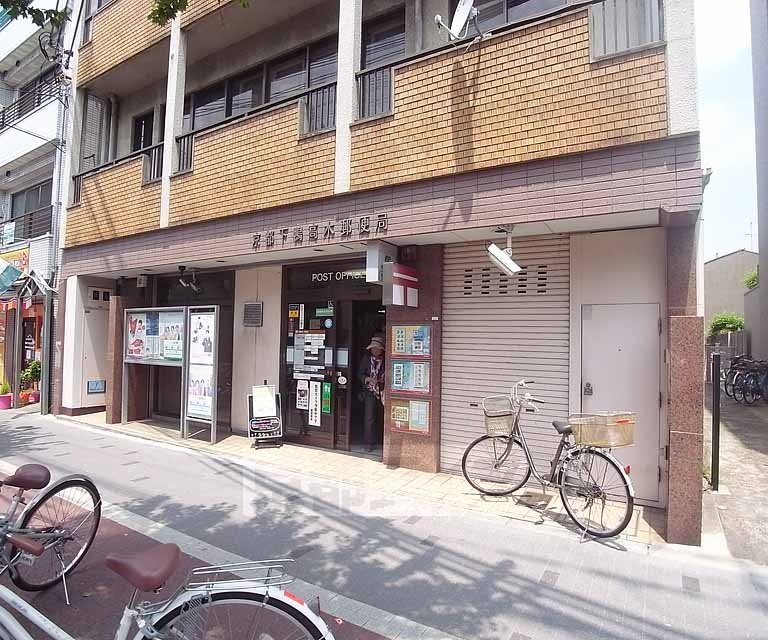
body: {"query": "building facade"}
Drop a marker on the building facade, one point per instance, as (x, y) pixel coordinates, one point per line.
(274, 152)
(33, 113)
(724, 287)
(758, 298)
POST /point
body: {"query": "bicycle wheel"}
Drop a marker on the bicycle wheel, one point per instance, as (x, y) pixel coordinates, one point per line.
(751, 388)
(66, 520)
(729, 378)
(738, 388)
(234, 615)
(595, 492)
(495, 465)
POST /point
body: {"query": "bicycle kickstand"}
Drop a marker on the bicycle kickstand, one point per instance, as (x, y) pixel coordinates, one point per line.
(63, 577)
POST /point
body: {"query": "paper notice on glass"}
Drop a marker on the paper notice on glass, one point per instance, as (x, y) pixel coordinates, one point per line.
(302, 394)
(315, 399)
(301, 316)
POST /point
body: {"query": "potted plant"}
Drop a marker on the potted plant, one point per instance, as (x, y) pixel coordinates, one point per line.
(6, 397)
(30, 377)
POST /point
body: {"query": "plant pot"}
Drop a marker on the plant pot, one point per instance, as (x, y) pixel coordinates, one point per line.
(6, 400)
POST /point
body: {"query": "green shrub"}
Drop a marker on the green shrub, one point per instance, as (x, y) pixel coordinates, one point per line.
(32, 372)
(725, 322)
(5, 388)
(751, 280)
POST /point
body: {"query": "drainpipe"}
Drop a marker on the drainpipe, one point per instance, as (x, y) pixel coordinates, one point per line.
(419, 22)
(113, 126)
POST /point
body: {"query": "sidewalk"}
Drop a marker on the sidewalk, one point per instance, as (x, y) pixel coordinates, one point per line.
(741, 504)
(646, 527)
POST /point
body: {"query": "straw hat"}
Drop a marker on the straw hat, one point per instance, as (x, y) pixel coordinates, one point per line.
(376, 341)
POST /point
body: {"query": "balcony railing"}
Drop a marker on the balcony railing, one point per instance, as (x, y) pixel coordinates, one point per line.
(29, 225)
(153, 163)
(40, 95)
(319, 109)
(374, 92)
(186, 148)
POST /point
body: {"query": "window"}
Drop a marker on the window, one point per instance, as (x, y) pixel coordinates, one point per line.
(287, 76)
(616, 26)
(246, 92)
(496, 13)
(322, 62)
(209, 105)
(32, 199)
(142, 131)
(384, 40)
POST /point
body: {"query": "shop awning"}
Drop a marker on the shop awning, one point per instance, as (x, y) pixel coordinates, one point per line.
(8, 275)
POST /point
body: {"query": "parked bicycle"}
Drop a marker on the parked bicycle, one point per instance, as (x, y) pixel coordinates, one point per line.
(595, 489)
(228, 602)
(54, 531)
(746, 380)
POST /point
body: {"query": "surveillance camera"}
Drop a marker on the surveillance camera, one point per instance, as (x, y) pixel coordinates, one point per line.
(502, 258)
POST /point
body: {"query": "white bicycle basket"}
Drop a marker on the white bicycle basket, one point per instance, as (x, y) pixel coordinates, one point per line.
(499, 415)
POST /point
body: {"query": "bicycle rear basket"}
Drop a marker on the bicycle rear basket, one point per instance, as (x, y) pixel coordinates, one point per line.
(499, 415)
(605, 429)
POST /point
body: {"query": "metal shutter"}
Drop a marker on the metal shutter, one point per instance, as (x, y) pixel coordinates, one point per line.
(499, 329)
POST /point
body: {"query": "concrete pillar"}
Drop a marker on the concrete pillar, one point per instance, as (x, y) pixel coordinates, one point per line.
(686, 388)
(350, 34)
(72, 358)
(174, 113)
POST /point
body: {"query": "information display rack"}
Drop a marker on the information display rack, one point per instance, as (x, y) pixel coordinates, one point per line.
(410, 372)
(200, 380)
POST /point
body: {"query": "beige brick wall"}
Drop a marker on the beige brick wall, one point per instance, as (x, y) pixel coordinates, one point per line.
(526, 95)
(119, 31)
(253, 164)
(113, 204)
(199, 8)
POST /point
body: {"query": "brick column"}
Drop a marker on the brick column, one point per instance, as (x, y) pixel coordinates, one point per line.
(686, 389)
(407, 449)
(138, 375)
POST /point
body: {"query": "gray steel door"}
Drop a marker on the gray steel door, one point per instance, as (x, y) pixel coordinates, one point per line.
(499, 329)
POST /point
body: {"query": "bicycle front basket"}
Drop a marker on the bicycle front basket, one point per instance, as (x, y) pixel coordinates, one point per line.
(499, 415)
(605, 429)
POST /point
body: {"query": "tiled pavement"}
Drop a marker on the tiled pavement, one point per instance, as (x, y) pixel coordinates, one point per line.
(530, 505)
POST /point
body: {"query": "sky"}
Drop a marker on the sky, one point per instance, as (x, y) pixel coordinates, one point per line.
(726, 119)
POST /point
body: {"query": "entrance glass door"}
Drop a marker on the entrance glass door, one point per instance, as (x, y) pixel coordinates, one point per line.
(309, 382)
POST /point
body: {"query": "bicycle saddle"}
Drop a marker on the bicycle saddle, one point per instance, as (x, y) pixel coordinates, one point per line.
(563, 428)
(29, 476)
(146, 570)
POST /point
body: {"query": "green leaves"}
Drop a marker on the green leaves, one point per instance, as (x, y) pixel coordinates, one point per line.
(751, 280)
(725, 322)
(40, 17)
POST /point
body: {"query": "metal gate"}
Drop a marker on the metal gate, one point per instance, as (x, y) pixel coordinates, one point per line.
(499, 329)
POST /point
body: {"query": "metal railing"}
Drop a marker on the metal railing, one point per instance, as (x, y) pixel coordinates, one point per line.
(40, 95)
(153, 163)
(31, 225)
(186, 149)
(374, 92)
(319, 109)
(77, 188)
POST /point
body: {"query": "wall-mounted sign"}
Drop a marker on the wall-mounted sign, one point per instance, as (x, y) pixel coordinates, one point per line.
(19, 258)
(410, 415)
(302, 393)
(96, 386)
(9, 233)
(154, 337)
(401, 285)
(412, 340)
(303, 235)
(410, 376)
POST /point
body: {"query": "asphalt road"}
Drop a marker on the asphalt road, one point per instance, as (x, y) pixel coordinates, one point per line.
(462, 574)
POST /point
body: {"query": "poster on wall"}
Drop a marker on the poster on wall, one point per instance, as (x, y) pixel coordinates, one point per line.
(412, 340)
(410, 415)
(314, 403)
(411, 377)
(202, 336)
(171, 329)
(302, 394)
(137, 336)
(200, 391)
